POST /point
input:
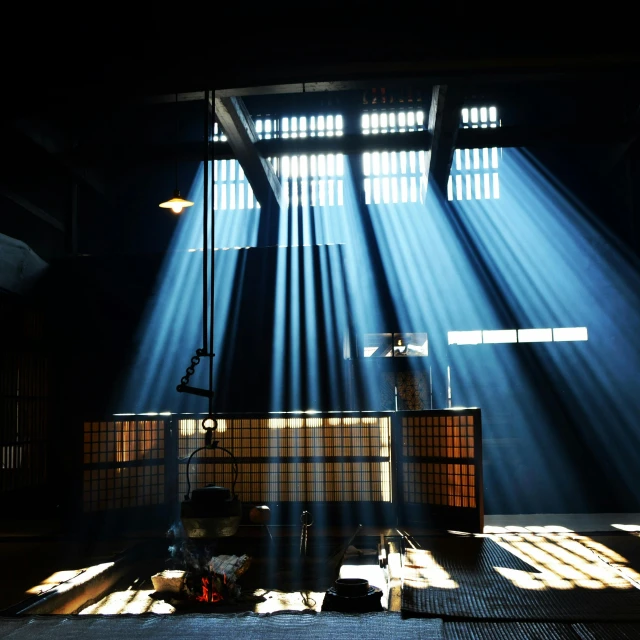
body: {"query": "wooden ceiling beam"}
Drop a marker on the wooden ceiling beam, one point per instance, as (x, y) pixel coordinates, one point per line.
(447, 127)
(506, 137)
(443, 123)
(237, 125)
(532, 136)
(54, 143)
(33, 209)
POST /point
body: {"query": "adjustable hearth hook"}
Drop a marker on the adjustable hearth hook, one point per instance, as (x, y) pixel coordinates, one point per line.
(209, 442)
(307, 520)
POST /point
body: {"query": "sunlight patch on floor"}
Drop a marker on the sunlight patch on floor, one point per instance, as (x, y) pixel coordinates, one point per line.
(564, 561)
(130, 601)
(263, 601)
(67, 579)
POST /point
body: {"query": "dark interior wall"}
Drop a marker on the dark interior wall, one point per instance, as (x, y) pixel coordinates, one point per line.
(148, 153)
(32, 177)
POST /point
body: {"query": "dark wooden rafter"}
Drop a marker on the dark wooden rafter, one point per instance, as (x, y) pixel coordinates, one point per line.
(53, 142)
(533, 136)
(447, 133)
(237, 125)
(27, 205)
(340, 75)
(442, 124)
(506, 136)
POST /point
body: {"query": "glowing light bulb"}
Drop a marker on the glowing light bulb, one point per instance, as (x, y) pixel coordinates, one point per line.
(177, 203)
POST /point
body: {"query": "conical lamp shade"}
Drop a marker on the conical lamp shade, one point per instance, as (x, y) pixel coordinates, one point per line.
(177, 203)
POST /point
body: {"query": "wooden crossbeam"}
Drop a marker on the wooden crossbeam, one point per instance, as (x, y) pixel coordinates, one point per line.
(236, 122)
(528, 136)
(507, 137)
(438, 157)
(53, 142)
(446, 135)
(31, 208)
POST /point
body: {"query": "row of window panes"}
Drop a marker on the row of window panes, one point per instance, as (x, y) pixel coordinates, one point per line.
(476, 186)
(227, 170)
(474, 159)
(390, 190)
(480, 117)
(236, 193)
(392, 122)
(296, 127)
(320, 192)
(474, 173)
(299, 127)
(388, 163)
(233, 196)
(501, 336)
(383, 122)
(312, 166)
(382, 344)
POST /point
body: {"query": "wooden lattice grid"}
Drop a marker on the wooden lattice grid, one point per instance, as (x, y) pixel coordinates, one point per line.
(123, 464)
(322, 459)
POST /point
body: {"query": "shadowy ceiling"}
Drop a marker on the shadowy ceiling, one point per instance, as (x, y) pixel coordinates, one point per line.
(92, 96)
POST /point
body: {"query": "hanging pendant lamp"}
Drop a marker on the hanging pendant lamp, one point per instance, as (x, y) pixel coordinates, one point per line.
(177, 204)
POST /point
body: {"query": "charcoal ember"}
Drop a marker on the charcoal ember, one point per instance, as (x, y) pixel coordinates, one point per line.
(218, 581)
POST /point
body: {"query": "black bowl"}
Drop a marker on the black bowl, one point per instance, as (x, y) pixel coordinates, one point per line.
(351, 587)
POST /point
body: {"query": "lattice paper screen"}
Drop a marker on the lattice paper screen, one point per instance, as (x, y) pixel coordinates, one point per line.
(439, 466)
(294, 459)
(123, 464)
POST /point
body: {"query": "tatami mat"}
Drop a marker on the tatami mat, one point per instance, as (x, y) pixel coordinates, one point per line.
(596, 631)
(508, 631)
(249, 626)
(553, 578)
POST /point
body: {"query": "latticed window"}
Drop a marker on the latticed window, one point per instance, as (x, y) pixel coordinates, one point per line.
(231, 189)
(316, 180)
(388, 177)
(474, 172)
(392, 121)
(392, 177)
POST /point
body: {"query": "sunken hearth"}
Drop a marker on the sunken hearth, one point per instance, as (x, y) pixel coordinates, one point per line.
(236, 574)
(217, 583)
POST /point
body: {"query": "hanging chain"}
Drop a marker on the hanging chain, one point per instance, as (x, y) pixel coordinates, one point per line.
(209, 423)
(195, 361)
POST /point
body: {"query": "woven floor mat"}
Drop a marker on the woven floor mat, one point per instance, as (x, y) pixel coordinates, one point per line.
(248, 626)
(517, 577)
(621, 551)
(508, 631)
(604, 631)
